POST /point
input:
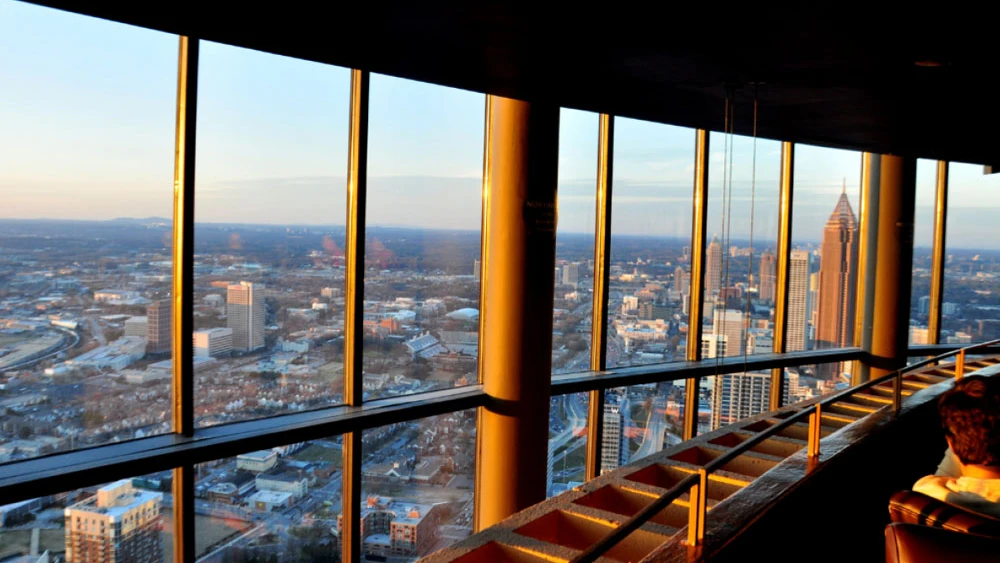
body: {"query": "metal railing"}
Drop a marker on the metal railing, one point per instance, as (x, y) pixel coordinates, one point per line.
(697, 483)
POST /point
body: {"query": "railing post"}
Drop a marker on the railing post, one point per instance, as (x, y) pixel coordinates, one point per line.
(960, 365)
(815, 426)
(697, 509)
(897, 393)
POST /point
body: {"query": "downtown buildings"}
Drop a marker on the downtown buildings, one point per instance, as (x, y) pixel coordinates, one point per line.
(119, 523)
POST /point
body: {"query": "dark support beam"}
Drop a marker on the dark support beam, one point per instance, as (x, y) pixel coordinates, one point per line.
(938, 253)
(602, 267)
(785, 194)
(696, 287)
(894, 255)
(517, 329)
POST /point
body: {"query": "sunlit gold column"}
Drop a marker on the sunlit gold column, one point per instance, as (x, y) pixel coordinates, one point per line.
(894, 260)
(938, 254)
(523, 148)
(357, 187)
(602, 267)
(696, 287)
(785, 197)
(182, 296)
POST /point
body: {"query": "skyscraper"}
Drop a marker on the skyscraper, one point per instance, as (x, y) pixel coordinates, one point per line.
(740, 395)
(614, 445)
(838, 277)
(476, 270)
(571, 274)
(682, 280)
(767, 276)
(120, 523)
(159, 320)
(729, 323)
(713, 266)
(798, 300)
(245, 315)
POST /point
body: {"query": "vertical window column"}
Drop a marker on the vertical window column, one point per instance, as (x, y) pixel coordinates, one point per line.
(938, 255)
(518, 271)
(697, 286)
(782, 269)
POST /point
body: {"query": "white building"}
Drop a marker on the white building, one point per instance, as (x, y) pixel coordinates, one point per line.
(213, 342)
(258, 462)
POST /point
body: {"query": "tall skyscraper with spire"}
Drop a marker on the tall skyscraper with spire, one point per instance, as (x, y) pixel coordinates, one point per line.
(767, 276)
(838, 277)
(713, 266)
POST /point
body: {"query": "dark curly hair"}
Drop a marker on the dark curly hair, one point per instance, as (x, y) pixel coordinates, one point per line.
(970, 415)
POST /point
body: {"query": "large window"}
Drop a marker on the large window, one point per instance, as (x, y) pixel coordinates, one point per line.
(567, 442)
(275, 504)
(127, 520)
(640, 421)
(923, 243)
(269, 238)
(422, 256)
(650, 243)
(574, 277)
(971, 308)
(417, 486)
(86, 170)
(823, 266)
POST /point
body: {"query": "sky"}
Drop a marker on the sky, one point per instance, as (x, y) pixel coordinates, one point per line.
(88, 133)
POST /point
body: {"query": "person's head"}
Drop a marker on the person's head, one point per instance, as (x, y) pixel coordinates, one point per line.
(970, 415)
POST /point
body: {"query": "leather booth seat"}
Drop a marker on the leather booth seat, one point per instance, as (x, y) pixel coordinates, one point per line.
(913, 543)
(909, 507)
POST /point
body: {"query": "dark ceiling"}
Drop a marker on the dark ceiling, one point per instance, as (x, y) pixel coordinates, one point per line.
(851, 77)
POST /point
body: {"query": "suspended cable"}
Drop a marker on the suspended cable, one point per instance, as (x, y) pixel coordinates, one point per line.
(753, 201)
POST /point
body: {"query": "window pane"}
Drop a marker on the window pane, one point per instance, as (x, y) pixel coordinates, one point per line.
(86, 180)
(807, 382)
(971, 308)
(425, 162)
(740, 262)
(417, 486)
(650, 244)
(574, 278)
(823, 267)
(279, 503)
(127, 520)
(567, 442)
(640, 421)
(269, 239)
(923, 242)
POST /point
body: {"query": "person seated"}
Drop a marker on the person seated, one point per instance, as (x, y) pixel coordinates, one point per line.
(970, 416)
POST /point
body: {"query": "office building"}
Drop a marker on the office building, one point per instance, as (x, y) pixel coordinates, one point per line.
(614, 443)
(767, 276)
(159, 320)
(729, 324)
(714, 345)
(391, 527)
(713, 267)
(477, 270)
(798, 300)
(137, 326)
(925, 305)
(682, 280)
(838, 277)
(257, 462)
(571, 273)
(213, 342)
(919, 335)
(119, 523)
(245, 315)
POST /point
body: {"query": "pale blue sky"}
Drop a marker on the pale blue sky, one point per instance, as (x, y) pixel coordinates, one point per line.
(88, 121)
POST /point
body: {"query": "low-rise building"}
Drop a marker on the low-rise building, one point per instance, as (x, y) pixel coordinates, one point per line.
(410, 528)
(213, 342)
(286, 482)
(258, 462)
(266, 501)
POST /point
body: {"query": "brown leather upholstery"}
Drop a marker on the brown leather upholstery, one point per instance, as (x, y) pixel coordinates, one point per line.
(912, 543)
(916, 508)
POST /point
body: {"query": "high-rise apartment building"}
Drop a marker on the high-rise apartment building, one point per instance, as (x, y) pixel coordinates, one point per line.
(159, 320)
(738, 396)
(119, 523)
(767, 276)
(713, 346)
(713, 266)
(682, 280)
(477, 270)
(838, 277)
(614, 443)
(245, 315)
(729, 323)
(571, 274)
(798, 300)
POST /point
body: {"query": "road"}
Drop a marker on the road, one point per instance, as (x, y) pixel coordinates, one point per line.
(656, 428)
